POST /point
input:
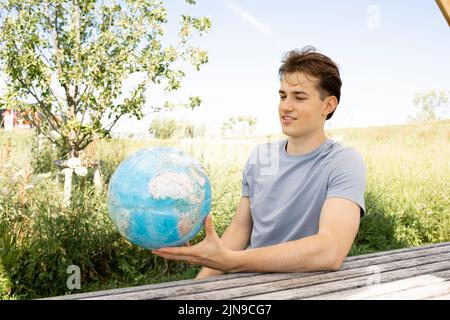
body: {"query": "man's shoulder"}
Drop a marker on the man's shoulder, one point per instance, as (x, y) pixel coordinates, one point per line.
(344, 152)
(345, 156)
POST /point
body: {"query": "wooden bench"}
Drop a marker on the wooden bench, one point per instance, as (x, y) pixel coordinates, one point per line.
(411, 273)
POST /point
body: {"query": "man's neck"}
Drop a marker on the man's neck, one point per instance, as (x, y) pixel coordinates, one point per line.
(304, 145)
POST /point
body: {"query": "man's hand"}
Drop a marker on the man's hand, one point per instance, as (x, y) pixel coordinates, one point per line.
(211, 252)
(326, 250)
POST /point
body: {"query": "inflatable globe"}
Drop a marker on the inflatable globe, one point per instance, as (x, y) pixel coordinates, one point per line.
(159, 197)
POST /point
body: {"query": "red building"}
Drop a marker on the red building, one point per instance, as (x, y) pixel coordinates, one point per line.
(10, 119)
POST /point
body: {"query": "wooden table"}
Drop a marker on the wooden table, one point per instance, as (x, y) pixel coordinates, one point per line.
(411, 273)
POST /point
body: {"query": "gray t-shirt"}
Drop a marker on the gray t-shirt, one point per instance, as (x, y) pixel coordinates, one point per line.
(287, 192)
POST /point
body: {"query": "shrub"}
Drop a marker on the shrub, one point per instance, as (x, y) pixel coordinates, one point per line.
(43, 153)
(5, 284)
(40, 239)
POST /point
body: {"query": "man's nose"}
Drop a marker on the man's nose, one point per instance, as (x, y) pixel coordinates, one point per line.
(286, 105)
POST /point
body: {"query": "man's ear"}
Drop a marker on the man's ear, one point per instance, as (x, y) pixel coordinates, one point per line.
(331, 103)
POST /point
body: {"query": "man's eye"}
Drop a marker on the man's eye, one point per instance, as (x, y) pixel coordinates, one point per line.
(300, 99)
(282, 98)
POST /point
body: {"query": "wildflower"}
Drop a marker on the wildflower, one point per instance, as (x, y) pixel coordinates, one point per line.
(18, 174)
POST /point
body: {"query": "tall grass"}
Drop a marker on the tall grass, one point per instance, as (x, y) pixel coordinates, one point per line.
(407, 186)
(407, 204)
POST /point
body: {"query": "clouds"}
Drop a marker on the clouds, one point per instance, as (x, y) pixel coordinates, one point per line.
(248, 18)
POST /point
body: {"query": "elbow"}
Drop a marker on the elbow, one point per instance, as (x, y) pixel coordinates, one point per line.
(334, 257)
(335, 265)
(335, 262)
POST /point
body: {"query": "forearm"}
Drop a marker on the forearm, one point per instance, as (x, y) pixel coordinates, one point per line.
(312, 253)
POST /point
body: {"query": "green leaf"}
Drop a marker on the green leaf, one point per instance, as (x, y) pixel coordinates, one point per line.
(70, 60)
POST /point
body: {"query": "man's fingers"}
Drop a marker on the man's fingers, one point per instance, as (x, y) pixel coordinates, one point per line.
(177, 257)
(176, 250)
(209, 226)
(210, 230)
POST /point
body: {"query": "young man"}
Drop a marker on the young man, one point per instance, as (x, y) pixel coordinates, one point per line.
(301, 210)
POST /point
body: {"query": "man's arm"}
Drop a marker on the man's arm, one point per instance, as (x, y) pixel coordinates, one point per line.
(339, 223)
(338, 226)
(236, 236)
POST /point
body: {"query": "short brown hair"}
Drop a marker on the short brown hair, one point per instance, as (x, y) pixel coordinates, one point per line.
(310, 62)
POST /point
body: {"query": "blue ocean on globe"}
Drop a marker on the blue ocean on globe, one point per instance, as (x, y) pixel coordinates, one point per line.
(159, 197)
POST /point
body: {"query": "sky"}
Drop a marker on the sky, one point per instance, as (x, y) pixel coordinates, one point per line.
(386, 51)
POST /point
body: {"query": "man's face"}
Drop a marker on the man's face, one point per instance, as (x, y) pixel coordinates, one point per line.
(301, 110)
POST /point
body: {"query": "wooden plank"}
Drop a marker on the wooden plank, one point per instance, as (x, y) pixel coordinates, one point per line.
(220, 282)
(396, 251)
(256, 285)
(358, 282)
(420, 293)
(242, 279)
(149, 287)
(442, 297)
(261, 278)
(208, 288)
(328, 281)
(386, 288)
(397, 256)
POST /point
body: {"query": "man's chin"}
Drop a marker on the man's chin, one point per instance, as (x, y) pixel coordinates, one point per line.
(286, 130)
(287, 133)
(290, 133)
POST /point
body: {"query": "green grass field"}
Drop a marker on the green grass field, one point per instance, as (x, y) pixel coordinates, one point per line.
(407, 204)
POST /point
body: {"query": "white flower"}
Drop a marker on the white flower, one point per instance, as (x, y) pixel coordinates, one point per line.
(18, 174)
(81, 171)
(28, 187)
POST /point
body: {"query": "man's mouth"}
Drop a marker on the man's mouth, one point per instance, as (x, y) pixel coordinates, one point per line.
(287, 119)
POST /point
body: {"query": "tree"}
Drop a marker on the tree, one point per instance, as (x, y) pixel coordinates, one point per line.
(433, 105)
(68, 58)
(163, 128)
(167, 127)
(238, 125)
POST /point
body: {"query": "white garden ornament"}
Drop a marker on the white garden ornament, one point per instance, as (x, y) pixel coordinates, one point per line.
(73, 164)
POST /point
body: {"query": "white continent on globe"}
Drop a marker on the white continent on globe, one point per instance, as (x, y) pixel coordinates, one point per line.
(176, 186)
